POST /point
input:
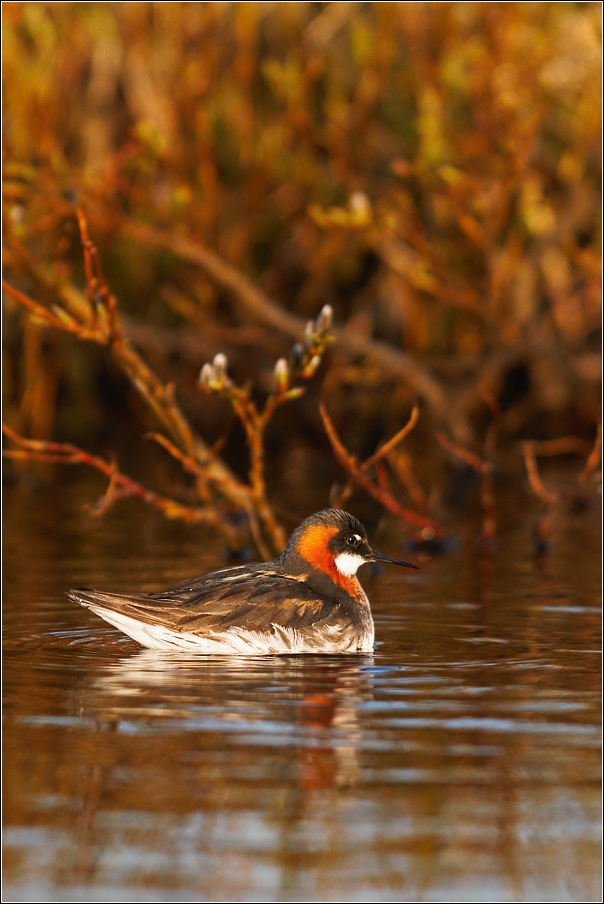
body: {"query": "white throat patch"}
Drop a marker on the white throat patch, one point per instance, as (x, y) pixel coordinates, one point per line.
(348, 562)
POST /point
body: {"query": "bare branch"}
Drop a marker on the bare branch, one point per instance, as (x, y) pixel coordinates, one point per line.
(394, 441)
(120, 485)
(594, 457)
(470, 458)
(530, 460)
(268, 311)
(350, 465)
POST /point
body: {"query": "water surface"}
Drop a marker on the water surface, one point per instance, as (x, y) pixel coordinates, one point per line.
(458, 762)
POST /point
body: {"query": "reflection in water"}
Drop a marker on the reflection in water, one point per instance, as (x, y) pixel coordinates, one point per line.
(460, 761)
(314, 702)
(214, 719)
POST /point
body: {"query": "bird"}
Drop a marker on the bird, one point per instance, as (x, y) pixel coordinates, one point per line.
(307, 600)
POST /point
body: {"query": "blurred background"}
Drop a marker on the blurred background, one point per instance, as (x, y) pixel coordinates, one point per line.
(430, 170)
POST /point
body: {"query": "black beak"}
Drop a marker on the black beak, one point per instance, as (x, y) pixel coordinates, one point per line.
(378, 557)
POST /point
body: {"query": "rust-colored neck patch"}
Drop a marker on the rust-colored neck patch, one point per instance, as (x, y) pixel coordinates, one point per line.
(312, 546)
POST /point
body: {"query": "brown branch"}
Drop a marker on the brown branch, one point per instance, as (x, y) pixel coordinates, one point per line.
(302, 365)
(258, 484)
(105, 331)
(96, 284)
(268, 311)
(530, 460)
(57, 317)
(193, 467)
(351, 466)
(489, 399)
(484, 469)
(470, 458)
(415, 263)
(394, 441)
(564, 445)
(594, 457)
(254, 423)
(103, 326)
(120, 485)
(344, 494)
(189, 464)
(493, 405)
(158, 396)
(400, 462)
(403, 473)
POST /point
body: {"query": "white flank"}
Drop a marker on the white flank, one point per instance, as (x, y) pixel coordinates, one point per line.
(347, 563)
(323, 639)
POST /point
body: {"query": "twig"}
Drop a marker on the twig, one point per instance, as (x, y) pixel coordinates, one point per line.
(470, 458)
(268, 311)
(254, 424)
(594, 457)
(401, 464)
(493, 405)
(394, 441)
(57, 317)
(104, 328)
(102, 301)
(530, 460)
(189, 464)
(484, 469)
(357, 474)
(563, 445)
(403, 472)
(544, 524)
(193, 467)
(120, 485)
(98, 321)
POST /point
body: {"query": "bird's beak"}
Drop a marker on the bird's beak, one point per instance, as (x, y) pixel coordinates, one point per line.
(378, 557)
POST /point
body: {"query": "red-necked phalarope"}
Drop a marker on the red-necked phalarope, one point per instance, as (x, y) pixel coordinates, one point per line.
(308, 600)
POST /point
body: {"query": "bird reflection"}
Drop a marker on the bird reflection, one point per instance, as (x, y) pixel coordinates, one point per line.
(309, 703)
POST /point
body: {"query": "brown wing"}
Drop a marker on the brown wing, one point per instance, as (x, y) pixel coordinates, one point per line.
(233, 598)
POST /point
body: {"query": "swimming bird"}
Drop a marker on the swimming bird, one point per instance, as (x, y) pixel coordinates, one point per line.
(308, 600)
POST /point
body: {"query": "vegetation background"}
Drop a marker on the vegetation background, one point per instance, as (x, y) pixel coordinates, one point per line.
(431, 171)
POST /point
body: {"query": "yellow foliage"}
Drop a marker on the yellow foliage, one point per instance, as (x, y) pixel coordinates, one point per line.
(455, 145)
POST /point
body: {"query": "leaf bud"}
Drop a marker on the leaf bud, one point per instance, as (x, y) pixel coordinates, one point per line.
(312, 366)
(325, 319)
(282, 374)
(220, 364)
(207, 375)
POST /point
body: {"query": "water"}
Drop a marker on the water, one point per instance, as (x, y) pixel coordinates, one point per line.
(458, 762)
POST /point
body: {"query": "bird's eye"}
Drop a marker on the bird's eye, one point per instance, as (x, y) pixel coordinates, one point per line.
(353, 539)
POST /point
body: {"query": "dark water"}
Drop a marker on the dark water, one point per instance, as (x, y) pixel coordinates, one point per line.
(459, 762)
